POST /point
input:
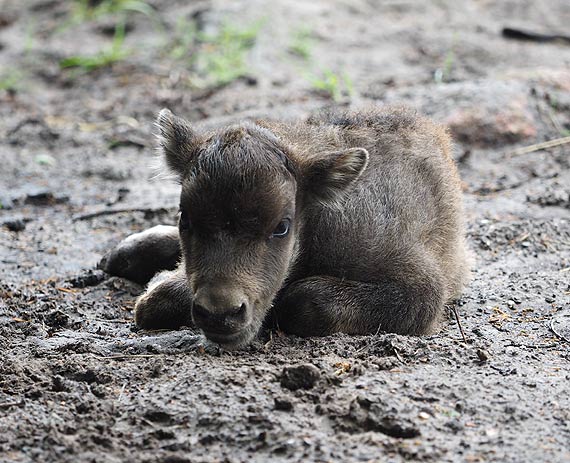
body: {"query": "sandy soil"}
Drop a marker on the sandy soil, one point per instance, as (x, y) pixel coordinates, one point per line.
(79, 383)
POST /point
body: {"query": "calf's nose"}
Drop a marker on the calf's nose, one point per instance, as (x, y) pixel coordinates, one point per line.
(219, 309)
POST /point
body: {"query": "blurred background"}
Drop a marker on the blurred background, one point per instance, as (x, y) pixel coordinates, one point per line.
(82, 80)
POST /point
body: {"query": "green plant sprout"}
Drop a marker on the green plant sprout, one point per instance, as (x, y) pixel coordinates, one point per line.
(443, 74)
(114, 53)
(301, 43)
(84, 11)
(11, 81)
(185, 35)
(221, 58)
(333, 85)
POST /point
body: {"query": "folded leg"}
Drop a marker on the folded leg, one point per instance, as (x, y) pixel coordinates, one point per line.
(167, 302)
(322, 305)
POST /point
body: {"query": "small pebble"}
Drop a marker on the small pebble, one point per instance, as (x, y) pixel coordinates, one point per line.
(483, 355)
(300, 377)
(45, 160)
(40, 198)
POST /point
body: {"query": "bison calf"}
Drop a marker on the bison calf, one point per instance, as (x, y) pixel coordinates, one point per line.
(348, 222)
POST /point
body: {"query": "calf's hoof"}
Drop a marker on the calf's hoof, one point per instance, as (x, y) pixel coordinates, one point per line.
(140, 256)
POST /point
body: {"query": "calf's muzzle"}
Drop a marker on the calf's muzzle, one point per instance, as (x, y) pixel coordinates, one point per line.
(220, 310)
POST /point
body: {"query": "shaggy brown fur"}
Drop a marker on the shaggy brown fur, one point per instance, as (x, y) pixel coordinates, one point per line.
(348, 222)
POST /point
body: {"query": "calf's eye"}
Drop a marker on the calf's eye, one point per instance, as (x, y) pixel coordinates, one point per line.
(282, 229)
(183, 221)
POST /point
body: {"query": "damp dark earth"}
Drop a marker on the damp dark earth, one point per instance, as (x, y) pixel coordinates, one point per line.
(80, 85)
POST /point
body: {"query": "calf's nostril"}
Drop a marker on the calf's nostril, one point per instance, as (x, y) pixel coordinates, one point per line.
(204, 315)
(237, 311)
(200, 311)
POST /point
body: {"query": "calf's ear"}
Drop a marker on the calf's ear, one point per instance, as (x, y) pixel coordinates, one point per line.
(328, 176)
(177, 141)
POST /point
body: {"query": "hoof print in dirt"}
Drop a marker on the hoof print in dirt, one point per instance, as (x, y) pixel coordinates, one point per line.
(15, 225)
(57, 319)
(140, 256)
(44, 198)
(60, 384)
(158, 416)
(300, 377)
(370, 415)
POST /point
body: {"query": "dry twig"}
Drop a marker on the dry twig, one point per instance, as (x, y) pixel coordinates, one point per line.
(542, 146)
(146, 210)
(558, 335)
(127, 356)
(4, 405)
(532, 36)
(454, 309)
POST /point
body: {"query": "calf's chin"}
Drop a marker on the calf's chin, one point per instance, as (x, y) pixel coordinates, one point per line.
(239, 339)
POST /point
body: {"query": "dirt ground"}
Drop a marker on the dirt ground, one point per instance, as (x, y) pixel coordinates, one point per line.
(79, 383)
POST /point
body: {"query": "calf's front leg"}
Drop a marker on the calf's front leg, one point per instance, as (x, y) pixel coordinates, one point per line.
(167, 302)
(323, 305)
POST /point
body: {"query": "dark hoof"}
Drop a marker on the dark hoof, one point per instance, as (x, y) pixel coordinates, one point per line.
(140, 256)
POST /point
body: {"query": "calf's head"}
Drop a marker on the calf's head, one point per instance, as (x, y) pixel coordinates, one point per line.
(243, 199)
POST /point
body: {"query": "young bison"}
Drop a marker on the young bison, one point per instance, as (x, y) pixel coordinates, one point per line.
(349, 222)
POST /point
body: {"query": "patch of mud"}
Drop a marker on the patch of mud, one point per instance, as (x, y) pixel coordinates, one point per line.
(523, 237)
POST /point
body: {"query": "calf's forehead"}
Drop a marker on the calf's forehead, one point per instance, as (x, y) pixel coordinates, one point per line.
(239, 172)
(252, 197)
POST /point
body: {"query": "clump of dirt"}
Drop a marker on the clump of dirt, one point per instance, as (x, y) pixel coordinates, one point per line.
(300, 377)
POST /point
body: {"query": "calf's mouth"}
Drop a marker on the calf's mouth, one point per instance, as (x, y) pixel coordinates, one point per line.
(234, 339)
